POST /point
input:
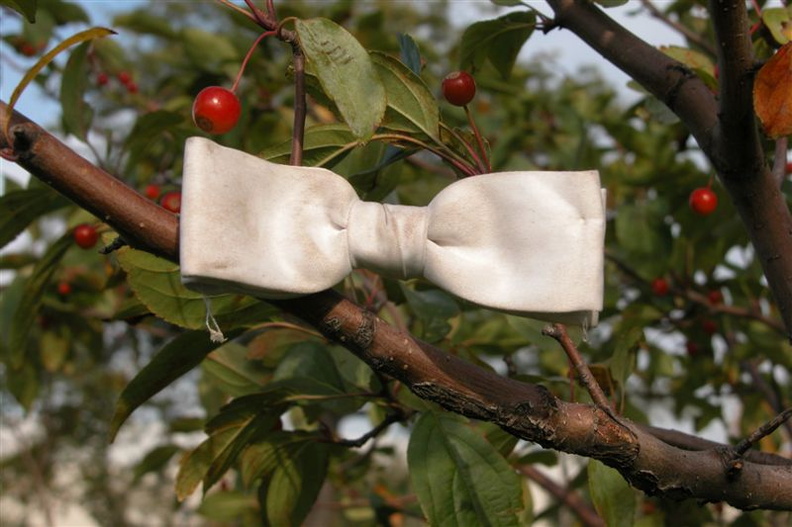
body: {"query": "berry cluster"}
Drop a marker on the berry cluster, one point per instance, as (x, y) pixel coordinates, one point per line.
(124, 78)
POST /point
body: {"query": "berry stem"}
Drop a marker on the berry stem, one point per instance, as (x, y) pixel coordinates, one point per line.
(479, 139)
(247, 58)
(481, 167)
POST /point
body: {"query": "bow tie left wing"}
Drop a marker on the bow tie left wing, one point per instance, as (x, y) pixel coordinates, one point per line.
(255, 227)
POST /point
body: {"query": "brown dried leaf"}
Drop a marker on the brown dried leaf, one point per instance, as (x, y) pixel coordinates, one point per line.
(772, 93)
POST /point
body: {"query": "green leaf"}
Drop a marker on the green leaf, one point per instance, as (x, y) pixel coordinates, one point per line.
(20, 207)
(409, 53)
(779, 21)
(82, 36)
(346, 73)
(233, 372)
(641, 230)
(28, 307)
(179, 356)
(26, 8)
(149, 128)
(157, 284)
(324, 146)
(228, 506)
(433, 308)
(611, 3)
(145, 22)
(498, 41)
(208, 51)
(77, 115)
(507, 3)
(312, 364)
(613, 497)
(693, 59)
(239, 423)
(411, 105)
(296, 482)
(155, 461)
(459, 477)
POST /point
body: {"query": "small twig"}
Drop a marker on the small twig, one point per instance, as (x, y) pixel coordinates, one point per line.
(374, 432)
(770, 395)
(681, 28)
(300, 107)
(763, 431)
(260, 16)
(237, 9)
(116, 244)
(780, 160)
(559, 333)
(570, 498)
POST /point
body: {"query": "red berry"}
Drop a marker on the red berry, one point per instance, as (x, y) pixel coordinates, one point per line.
(789, 168)
(152, 191)
(124, 77)
(459, 88)
(171, 201)
(709, 326)
(27, 49)
(85, 235)
(692, 348)
(102, 79)
(131, 87)
(703, 201)
(64, 288)
(660, 286)
(715, 297)
(216, 110)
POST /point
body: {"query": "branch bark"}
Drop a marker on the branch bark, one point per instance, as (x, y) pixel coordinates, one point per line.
(528, 411)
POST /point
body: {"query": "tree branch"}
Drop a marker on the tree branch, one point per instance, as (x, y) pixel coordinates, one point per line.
(726, 132)
(528, 411)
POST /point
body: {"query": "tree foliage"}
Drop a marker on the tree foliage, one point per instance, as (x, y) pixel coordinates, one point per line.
(697, 309)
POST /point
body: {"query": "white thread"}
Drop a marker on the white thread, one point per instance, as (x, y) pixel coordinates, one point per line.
(215, 333)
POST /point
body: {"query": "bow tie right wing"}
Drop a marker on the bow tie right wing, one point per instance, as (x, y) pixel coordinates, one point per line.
(528, 243)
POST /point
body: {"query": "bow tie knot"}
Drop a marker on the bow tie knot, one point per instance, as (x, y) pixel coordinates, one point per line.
(388, 239)
(528, 243)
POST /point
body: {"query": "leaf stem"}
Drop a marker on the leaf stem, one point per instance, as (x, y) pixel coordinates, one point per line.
(447, 155)
(479, 138)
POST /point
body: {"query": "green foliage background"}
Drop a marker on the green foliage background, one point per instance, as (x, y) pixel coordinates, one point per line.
(80, 365)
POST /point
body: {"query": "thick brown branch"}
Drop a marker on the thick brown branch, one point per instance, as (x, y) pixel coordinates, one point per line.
(530, 412)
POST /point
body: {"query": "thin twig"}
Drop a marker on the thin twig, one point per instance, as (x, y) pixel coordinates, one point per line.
(570, 498)
(374, 432)
(681, 28)
(237, 9)
(300, 107)
(763, 431)
(770, 395)
(559, 333)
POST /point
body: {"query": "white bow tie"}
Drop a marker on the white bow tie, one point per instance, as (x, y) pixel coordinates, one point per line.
(527, 243)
